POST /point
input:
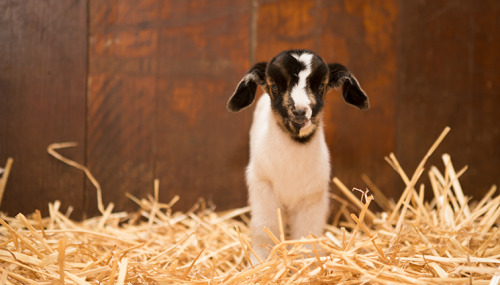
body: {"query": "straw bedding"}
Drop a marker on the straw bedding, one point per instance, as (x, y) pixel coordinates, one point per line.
(444, 240)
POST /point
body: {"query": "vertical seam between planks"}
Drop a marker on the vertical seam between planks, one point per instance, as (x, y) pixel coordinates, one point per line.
(154, 136)
(85, 200)
(319, 27)
(254, 6)
(399, 47)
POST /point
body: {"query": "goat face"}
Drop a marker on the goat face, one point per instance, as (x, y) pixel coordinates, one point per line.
(296, 81)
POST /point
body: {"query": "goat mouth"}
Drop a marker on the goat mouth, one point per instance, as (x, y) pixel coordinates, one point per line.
(306, 124)
(299, 124)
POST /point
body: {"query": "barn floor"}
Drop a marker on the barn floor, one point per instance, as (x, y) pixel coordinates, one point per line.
(443, 240)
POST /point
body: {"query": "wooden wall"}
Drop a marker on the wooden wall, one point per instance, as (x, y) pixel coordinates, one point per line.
(142, 87)
(43, 63)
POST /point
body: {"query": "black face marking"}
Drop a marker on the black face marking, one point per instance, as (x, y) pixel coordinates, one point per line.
(317, 84)
(276, 76)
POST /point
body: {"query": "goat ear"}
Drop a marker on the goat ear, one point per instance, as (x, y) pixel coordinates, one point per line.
(351, 91)
(244, 94)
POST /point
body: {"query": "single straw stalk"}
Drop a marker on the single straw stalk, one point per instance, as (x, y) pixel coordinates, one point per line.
(5, 176)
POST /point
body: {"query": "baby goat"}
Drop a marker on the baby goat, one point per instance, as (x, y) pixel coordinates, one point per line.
(289, 164)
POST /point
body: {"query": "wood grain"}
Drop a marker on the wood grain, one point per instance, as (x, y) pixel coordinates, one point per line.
(484, 135)
(42, 100)
(363, 36)
(159, 81)
(289, 24)
(202, 149)
(122, 89)
(448, 77)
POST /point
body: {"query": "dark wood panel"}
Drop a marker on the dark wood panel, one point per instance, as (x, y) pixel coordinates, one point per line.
(42, 100)
(449, 76)
(484, 157)
(120, 138)
(362, 36)
(288, 24)
(202, 149)
(160, 77)
(122, 88)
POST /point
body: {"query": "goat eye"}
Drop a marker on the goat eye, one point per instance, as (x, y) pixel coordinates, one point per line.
(274, 88)
(321, 87)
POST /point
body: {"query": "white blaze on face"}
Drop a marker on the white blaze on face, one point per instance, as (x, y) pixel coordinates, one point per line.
(299, 93)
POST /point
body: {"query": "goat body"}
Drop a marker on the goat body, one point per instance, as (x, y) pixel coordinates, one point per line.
(289, 164)
(287, 175)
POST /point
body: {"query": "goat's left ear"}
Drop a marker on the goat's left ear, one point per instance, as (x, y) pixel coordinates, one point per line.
(244, 94)
(351, 91)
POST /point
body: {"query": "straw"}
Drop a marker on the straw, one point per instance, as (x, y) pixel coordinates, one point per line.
(5, 176)
(446, 239)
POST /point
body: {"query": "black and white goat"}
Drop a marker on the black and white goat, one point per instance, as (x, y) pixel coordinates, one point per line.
(289, 164)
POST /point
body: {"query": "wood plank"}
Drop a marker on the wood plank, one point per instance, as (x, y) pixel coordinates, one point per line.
(120, 139)
(484, 134)
(362, 36)
(42, 100)
(288, 24)
(202, 149)
(433, 84)
(160, 76)
(121, 109)
(447, 77)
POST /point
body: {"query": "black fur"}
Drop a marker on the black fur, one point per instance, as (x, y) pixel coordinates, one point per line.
(244, 94)
(351, 91)
(303, 139)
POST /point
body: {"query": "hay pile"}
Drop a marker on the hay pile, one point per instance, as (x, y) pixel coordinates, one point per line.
(445, 241)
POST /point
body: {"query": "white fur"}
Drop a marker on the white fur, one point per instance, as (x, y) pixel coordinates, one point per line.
(285, 174)
(299, 92)
(249, 77)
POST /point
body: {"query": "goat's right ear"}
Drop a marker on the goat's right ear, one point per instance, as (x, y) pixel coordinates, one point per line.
(244, 94)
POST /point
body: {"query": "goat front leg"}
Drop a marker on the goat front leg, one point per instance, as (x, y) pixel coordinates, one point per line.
(309, 216)
(263, 205)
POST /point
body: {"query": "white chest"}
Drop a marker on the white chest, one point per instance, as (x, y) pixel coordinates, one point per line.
(294, 169)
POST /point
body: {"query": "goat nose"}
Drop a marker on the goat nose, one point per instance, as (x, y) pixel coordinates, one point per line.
(299, 111)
